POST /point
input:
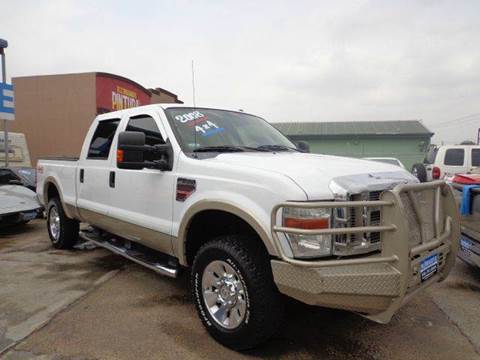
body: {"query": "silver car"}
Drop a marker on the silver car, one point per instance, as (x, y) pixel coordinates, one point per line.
(18, 204)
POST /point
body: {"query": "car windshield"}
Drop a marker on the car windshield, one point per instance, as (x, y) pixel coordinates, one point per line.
(7, 176)
(387, 161)
(206, 130)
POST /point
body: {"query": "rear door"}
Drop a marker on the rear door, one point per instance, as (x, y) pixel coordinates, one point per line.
(93, 175)
(142, 200)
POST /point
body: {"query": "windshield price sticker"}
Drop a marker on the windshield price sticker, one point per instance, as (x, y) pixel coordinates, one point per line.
(192, 118)
(208, 128)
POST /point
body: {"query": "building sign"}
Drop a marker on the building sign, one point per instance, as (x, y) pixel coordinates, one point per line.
(7, 109)
(114, 93)
(124, 99)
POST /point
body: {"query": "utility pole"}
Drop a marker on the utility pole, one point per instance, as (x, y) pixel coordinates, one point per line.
(3, 46)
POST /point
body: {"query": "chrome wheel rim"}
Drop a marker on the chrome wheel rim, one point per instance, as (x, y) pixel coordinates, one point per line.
(224, 294)
(415, 172)
(54, 223)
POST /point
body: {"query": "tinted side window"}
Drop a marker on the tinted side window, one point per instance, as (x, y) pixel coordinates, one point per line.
(147, 125)
(102, 139)
(454, 157)
(475, 157)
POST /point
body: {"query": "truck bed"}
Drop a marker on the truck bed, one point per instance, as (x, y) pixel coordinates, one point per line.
(63, 170)
(60, 158)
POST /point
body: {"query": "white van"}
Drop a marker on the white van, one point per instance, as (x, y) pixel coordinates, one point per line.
(447, 160)
(18, 154)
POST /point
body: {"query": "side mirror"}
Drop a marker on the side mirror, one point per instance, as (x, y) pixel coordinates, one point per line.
(303, 146)
(130, 150)
(133, 154)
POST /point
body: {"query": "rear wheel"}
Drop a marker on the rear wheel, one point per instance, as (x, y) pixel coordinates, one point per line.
(63, 231)
(234, 292)
(420, 172)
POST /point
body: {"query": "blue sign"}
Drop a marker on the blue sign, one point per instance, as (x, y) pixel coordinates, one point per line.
(7, 108)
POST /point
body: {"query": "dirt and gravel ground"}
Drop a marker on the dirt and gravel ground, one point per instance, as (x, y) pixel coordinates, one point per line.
(94, 305)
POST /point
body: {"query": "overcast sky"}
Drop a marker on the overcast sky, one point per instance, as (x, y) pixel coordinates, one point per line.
(285, 61)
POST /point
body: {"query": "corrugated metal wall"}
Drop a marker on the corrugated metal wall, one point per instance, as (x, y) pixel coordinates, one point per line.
(408, 150)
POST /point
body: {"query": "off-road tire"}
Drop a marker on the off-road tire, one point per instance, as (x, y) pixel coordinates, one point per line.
(68, 234)
(264, 310)
(420, 172)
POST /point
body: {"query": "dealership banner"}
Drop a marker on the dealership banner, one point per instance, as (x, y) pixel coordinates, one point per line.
(7, 108)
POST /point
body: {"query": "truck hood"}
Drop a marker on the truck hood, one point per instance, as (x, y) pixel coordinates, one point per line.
(16, 198)
(322, 176)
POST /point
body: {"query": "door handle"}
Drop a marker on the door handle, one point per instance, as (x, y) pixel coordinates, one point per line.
(111, 179)
(81, 175)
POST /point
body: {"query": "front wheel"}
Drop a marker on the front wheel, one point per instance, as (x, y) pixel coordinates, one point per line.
(63, 231)
(234, 292)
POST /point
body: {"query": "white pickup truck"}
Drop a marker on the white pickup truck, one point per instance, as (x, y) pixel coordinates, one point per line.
(226, 195)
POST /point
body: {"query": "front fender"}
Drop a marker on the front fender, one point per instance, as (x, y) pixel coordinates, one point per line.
(243, 207)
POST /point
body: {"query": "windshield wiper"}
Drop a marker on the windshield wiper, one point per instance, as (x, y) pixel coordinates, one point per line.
(275, 147)
(221, 148)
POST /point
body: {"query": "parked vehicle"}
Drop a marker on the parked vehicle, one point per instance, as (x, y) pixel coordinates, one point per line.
(448, 160)
(18, 154)
(18, 204)
(27, 176)
(227, 195)
(387, 160)
(467, 192)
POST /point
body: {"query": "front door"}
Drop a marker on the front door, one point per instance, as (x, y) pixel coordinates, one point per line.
(142, 199)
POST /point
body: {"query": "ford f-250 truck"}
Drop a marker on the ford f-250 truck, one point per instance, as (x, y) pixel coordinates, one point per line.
(254, 218)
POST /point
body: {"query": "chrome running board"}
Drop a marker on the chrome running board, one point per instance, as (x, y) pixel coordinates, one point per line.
(136, 256)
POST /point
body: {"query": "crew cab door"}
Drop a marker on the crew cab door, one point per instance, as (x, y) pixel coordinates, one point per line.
(142, 200)
(93, 197)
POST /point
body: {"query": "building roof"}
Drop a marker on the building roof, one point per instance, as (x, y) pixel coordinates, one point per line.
(353, 128)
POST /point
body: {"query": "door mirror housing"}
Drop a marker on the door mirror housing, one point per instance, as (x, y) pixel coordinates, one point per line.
(303, 146)
(130, 152)
(133, 154)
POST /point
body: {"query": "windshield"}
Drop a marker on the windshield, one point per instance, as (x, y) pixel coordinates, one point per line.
(387, 161)
(206, 129)
(7, 176)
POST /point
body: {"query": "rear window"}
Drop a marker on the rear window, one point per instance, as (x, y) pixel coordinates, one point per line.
(475, 157)
(454, 157)
(102, 139)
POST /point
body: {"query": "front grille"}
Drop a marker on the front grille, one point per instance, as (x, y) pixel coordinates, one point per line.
(355, 217)
(424, 231)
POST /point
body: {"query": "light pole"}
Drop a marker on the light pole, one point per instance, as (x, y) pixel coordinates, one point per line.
(3, 46)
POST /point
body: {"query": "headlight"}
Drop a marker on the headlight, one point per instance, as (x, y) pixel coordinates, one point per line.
(308, 246)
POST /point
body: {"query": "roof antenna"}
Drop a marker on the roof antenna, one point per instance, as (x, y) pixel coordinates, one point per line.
(193, 83)
(194, 127)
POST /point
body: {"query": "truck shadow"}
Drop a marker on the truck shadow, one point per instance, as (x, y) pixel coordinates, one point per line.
(314, 332)
(13, 230)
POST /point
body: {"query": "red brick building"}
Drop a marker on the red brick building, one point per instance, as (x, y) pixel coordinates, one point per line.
(55, 111)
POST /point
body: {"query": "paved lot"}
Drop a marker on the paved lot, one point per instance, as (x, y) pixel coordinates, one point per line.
(93, 305)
